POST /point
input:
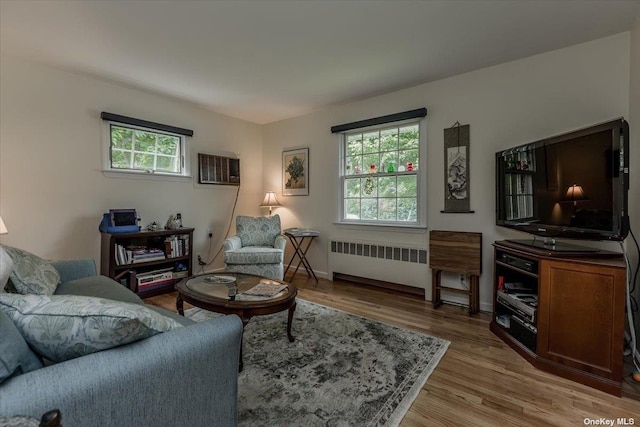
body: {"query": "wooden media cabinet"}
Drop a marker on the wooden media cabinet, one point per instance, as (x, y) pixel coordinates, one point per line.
(576, 328)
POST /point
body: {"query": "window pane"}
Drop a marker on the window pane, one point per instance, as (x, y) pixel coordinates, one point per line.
(368, 160)
(353, 165)
(166, 164)
(387, 209)
(352, 208)
(407, 209)
(409, 156)
(145, 141)
(369, 187)
(389, 140)
(354, 145)
(370, 143)
(352, 188)
(369, 209)
(407, 186)
(409, 137)
(121, 159)
(389, 158)
(143, 161)
(121, 137)
(168, 145)
(387, 186)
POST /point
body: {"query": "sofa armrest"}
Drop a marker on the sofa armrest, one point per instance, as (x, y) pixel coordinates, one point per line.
(280, 242)
(187, 376)
(232, 242)
(75, 269)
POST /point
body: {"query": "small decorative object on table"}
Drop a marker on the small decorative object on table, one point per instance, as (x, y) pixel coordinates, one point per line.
(174, 222)
(153, 226)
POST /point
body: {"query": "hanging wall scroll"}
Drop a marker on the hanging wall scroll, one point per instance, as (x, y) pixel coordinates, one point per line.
(456, 171)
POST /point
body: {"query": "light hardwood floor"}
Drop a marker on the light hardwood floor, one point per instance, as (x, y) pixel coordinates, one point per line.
(480, 381)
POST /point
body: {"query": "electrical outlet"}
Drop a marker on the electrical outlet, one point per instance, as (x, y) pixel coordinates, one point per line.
(200, 262)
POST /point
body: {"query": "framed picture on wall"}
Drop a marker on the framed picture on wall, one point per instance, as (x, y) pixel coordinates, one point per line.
(295, 172)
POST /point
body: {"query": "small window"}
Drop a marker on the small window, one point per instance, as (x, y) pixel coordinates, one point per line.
(145, 150)
(140, 147)
(382, 177)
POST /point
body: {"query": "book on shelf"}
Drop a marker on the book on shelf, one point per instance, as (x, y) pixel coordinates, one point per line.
(176, 246)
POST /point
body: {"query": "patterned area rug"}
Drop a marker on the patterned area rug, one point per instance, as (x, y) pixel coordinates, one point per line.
(341, 370)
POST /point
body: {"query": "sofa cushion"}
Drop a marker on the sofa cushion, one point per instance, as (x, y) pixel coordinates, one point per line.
(184, 321)
(32, 274)
(6, 268)
(100, 287)
(257, 231)
(254, 255)
(15, 355)
(61, 327)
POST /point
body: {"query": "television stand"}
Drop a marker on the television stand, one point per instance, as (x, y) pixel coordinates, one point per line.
(562, 311)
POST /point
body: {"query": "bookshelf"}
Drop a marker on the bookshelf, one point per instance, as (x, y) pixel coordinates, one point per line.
(148, 262)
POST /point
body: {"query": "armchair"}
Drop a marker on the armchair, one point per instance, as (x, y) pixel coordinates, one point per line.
(257, 248)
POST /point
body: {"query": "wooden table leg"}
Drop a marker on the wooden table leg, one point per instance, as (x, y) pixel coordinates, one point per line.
(435, 288)
(180, 305)
(244, 324)
(289, 320)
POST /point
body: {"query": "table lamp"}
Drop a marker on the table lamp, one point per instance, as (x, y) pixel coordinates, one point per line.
(270, 200)
(575, 194)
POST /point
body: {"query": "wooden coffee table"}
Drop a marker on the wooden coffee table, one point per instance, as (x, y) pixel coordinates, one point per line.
(203, 291)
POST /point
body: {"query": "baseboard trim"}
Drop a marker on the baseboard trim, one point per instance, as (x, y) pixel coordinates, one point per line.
(380, 284)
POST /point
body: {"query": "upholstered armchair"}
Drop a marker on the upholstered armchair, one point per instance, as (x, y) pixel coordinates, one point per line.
(257, 248)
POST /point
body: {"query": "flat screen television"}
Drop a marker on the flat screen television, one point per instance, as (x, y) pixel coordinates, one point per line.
(570, 186)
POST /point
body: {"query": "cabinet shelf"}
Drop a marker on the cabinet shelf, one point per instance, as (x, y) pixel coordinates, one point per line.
(151, 263)
(160, 239)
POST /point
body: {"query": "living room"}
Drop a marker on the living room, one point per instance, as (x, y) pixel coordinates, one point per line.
(54, 191)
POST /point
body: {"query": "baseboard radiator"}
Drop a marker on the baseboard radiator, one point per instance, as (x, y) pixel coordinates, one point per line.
(380, 264)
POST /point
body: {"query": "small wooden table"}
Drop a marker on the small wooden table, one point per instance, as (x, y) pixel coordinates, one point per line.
(198, 291)
(297, 237)
(458, 252)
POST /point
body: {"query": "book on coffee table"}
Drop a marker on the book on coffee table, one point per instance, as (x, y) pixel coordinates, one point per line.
(265, 289)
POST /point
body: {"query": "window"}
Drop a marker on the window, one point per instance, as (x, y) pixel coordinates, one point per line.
(141, 147)
(382, 178)
(136, 149)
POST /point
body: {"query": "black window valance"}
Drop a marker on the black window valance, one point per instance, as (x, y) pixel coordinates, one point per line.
(406, 115)
(144, 123)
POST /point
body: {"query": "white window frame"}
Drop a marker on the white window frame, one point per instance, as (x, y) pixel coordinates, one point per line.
(185, 170)
(421, 176)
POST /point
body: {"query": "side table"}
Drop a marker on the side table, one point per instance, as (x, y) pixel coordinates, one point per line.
(297, 237)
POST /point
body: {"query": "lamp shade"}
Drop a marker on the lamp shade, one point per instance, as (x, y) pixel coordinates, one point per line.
(575, 193)
(3, 228)
(270, 200)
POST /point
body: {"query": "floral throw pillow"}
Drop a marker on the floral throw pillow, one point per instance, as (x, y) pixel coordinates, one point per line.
(62, 327)
(32, 274)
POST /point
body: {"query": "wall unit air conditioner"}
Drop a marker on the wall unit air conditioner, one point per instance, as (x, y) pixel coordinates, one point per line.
(218, 170)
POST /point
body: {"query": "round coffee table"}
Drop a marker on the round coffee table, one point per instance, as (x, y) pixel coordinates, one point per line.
(226, 293)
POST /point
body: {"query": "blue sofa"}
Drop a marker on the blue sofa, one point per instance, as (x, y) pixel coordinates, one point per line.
(184, 377)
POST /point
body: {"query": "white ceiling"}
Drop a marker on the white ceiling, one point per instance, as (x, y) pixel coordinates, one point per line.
(265, 61)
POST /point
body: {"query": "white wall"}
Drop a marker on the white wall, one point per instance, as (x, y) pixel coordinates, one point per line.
(52, 192)
(506, 105)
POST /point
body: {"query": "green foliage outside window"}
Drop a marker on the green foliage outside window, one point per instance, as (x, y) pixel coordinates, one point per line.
(389, 191)
(144, 150)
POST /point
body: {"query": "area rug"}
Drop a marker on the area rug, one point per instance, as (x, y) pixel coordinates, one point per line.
(341, 370)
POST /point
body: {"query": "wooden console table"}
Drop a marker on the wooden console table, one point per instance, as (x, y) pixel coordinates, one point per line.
(457, 252)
